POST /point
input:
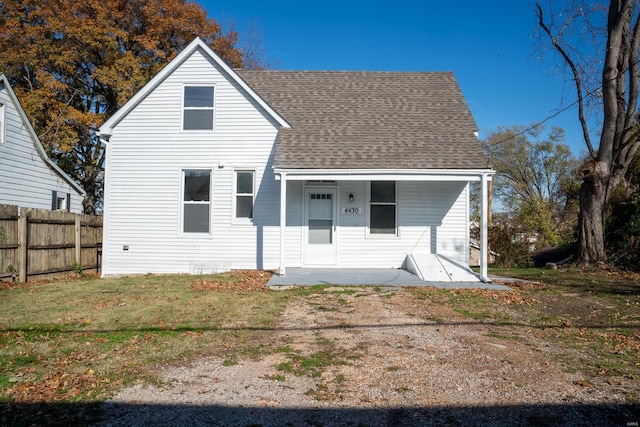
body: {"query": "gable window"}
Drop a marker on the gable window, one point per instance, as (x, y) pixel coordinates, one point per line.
(198, 108)
(196, 201)
(382, 208)
(244, 194)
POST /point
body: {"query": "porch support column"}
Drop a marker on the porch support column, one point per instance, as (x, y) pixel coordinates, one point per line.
(283, 223)
(484, 228)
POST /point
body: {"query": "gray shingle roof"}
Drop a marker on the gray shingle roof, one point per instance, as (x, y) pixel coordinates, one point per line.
(370, 120)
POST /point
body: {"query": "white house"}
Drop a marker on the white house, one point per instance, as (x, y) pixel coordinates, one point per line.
(28, 178)
(210, 168)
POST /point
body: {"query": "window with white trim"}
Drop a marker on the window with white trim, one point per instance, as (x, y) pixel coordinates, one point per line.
(244, 194)
(60, 201)
(196, 201)
(198, 108)
(382, 208)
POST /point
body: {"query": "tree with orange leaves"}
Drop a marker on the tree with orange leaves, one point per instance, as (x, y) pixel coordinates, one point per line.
(73, 63)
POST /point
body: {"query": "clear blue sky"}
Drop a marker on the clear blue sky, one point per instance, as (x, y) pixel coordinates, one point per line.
(489, 46)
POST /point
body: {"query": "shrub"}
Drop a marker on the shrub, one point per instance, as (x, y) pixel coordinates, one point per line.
(513, 247)
(622, 234)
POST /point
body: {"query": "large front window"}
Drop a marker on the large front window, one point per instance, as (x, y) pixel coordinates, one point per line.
(198, 108)
(196, 201)
(382, 208)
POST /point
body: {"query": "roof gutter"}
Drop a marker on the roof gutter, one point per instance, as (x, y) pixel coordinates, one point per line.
(384, 174)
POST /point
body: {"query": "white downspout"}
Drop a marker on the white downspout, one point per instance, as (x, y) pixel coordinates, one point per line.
(283, 223)
(484, 228)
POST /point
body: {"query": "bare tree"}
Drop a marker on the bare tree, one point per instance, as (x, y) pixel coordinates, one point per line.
(617, 28)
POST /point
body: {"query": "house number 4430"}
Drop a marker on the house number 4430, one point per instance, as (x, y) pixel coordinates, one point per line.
(350, 210)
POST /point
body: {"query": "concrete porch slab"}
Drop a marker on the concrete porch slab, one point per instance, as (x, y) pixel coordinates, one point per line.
(366, 276)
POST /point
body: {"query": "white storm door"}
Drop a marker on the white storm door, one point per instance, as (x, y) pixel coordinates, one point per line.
(320, 227)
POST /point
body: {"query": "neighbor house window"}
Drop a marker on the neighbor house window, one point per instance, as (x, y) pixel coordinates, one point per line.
(2, 119)
(198, 108)
(60, 201)
(196, 201)
(244, 194)
(382, 208)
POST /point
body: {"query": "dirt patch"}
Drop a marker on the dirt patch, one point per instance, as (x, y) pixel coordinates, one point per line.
(361, 356)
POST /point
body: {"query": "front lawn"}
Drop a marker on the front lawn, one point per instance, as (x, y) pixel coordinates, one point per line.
(79, 341)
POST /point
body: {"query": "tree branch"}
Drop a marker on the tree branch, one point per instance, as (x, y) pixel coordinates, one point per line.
(612, 79)
(576, 78)
(57, 120)
(632, 104)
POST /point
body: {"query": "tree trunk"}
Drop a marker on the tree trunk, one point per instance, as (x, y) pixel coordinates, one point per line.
(593, 202)
(89, 204)
(90, 185)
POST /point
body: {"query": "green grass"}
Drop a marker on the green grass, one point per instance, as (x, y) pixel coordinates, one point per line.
(276, 377)
(315, 364)
(230, 362)
(115, 328)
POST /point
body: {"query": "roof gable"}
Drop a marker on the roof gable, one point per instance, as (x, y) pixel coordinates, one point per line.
(4, 82)
(197, 44)
(370, 120)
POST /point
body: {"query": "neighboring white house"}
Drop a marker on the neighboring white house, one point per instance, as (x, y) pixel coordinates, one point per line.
(210, 168)
(28, 178)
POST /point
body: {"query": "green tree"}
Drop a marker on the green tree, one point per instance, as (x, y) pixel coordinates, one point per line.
(73, 63)
(599, 45)
(535, 171)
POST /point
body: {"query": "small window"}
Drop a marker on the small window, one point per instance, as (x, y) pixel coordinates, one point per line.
(244, 183)
(196, 201)
(60, 201)
(198, 108)
(382, 208)
(2, 120)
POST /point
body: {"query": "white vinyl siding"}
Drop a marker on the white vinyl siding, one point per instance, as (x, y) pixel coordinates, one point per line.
(26, 179)
(432, 217)
(148, 151)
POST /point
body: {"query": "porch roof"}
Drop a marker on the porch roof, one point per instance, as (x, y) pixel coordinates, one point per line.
(468, 175)
(370, 120)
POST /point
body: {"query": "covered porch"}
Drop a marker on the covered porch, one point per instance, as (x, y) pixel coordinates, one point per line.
(346, 223)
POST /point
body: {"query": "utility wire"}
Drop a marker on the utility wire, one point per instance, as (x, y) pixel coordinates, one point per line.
(557, 113)
(535, 125)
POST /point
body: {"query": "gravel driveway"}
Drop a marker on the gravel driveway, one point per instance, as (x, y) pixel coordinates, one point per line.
(361, 357)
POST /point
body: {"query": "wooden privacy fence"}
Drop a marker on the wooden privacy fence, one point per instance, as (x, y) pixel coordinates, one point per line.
(37, 243)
